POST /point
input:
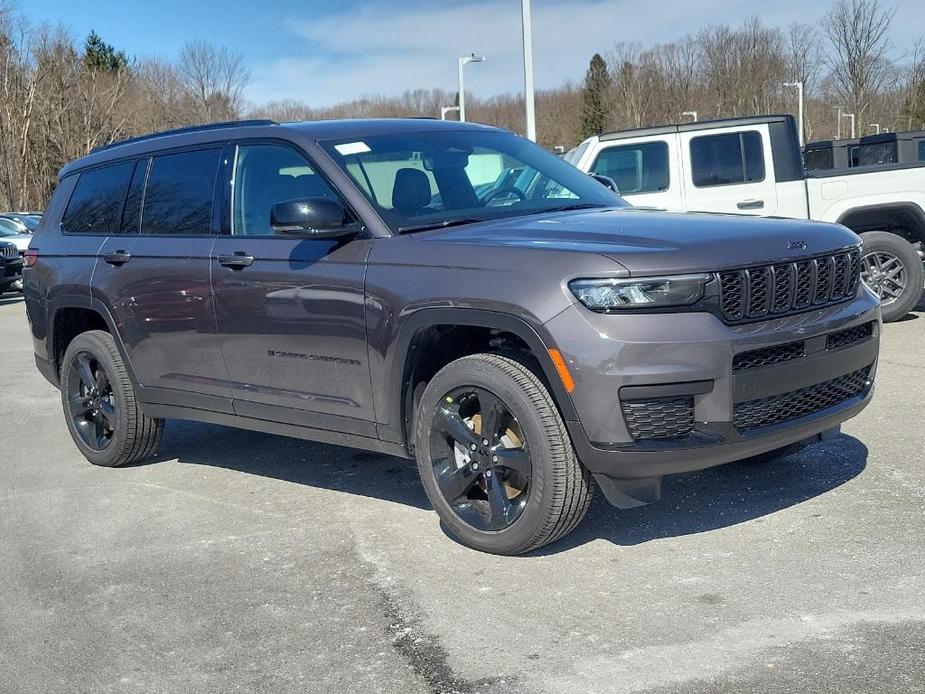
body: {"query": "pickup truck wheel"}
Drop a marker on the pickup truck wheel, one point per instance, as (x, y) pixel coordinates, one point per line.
(495, 457)
(892, 270)
(103, 416)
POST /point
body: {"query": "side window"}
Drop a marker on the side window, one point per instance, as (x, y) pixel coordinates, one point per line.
(95, 206)
(131, 215)
(921, 150)
(266, 175)
(179, 192)
(718, 160)
(639, 168)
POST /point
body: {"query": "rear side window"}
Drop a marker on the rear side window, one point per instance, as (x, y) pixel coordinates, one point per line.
(95, 206)
(640, 168)
(719, 160)
(921, 150)
(818, 159)
(179, 192)
(131, 215)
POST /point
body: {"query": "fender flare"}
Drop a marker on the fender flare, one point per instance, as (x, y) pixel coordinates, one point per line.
(396, 359)
(914, 209)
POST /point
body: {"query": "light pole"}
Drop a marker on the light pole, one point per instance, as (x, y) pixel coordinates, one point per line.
(692, 114)
(463, 61)
(799, 86)
(447, 109)
(838, 124)
(851, 116)
(877, 126)
(529, 106)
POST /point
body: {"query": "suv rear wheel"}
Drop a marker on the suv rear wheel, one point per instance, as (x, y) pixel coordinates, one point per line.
(102, 414)
(495, 457)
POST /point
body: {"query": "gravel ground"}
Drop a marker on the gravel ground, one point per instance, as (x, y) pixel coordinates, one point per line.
(243, 562)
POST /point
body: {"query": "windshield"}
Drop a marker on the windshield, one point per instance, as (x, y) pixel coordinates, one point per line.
(432, 179)
(9, 227)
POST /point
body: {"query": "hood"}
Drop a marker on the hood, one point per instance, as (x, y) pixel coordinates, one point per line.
(650, 242)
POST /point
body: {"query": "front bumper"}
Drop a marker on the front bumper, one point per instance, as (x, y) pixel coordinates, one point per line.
(690, 356)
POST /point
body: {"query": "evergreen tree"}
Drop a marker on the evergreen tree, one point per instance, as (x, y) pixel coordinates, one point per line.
(595, 95)
(99, 55)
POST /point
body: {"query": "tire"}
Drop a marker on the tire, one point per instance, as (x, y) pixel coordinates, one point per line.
(103, 416)
(889, 251)
(529, 469)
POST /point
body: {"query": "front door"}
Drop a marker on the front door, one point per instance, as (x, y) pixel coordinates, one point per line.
(290, 310)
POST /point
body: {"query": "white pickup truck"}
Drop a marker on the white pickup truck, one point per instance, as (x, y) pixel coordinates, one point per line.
(753, 166)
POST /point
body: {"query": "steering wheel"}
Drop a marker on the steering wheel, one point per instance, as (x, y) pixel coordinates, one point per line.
(504, 189)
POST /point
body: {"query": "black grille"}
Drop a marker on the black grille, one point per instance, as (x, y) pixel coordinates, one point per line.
(849, 336)
(659, 418)
(8, 251)
(763, 412)
(768, 355)
(757, 292)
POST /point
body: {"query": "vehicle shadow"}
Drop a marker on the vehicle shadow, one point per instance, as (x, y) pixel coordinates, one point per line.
(723, 496)
(691, 503)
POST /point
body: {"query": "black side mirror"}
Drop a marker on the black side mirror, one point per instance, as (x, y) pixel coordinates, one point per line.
(606, 181)
(315, 217)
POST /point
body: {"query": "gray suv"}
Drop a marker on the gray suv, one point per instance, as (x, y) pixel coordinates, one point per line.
(445, 292)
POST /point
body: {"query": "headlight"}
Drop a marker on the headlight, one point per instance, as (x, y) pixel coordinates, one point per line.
(643, 292)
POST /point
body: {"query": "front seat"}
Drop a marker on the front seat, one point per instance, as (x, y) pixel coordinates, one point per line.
(410, 191)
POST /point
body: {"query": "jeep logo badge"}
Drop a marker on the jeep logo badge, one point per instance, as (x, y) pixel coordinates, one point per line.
(796, 245)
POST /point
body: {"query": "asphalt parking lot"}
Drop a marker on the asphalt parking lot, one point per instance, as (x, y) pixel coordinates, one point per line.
(242, 562)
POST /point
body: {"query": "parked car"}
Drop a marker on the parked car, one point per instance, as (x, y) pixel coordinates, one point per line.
(10, 268)
(9, 231)
(752, 166)
(24, 224)
(346, 282)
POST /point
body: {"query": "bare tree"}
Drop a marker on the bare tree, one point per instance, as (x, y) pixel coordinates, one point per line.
(859, 57)
(216, 77)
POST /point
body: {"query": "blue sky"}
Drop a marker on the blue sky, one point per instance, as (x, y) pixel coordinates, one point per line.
(325, 52)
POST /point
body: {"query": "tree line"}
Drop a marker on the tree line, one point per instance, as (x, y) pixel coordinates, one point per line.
(60, 97)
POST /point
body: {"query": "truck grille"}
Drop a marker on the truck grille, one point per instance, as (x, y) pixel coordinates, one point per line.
(776, 290)
(659, 418)
(8, 251)
(754, 414)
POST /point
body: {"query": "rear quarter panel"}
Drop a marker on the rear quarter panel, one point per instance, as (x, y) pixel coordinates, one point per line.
(831, 197)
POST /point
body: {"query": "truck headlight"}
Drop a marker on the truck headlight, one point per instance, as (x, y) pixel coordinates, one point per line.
(613, 294)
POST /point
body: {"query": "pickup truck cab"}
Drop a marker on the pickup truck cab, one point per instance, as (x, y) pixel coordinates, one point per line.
(753, 166)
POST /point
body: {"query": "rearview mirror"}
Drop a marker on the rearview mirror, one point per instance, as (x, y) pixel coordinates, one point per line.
(315, 217)
(606, 181)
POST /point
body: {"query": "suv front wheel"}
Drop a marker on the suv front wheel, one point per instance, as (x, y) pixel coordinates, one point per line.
(102, 414)
(495, 457)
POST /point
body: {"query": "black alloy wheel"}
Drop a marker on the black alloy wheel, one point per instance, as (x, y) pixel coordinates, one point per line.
(91, 401)
(480, 458)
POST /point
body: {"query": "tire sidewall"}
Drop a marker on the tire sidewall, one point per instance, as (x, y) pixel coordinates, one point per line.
(111, 455)
(470, 373)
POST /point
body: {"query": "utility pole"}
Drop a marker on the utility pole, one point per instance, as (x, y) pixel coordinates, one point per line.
(529, 104)
(463, 61)
(799, 86)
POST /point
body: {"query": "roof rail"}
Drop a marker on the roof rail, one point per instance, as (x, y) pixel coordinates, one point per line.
(189, 129)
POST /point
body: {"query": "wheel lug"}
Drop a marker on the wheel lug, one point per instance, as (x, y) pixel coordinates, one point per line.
(494, 459)
(472, 447)
(484, 442)
(488, 473)
(475, 466)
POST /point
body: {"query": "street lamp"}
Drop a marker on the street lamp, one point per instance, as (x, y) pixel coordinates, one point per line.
(692, 114)
(463, 61)
(447, 109)
(799, 86)
(529, 106)
(877, 126)
(851, 116)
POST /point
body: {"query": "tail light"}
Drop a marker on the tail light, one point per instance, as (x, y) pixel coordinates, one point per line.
(30, 257)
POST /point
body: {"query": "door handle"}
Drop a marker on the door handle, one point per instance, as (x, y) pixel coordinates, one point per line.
(236, 261)
(117, 258)
(750, 204)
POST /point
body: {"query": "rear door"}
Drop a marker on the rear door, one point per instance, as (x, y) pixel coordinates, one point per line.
(729, 171)
(290, 309)
(154, 275)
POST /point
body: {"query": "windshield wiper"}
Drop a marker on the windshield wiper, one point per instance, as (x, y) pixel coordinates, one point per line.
(573, 206)
(438, 225)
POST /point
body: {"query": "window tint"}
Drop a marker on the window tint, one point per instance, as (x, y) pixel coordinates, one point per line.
(266, 175)
(178, 195)
(718, 160)
(641, 168)
(131, 215)
(921, 154)
(95, 206)
(818, 159)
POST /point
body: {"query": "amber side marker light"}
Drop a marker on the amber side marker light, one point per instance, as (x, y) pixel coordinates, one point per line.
(564, 375)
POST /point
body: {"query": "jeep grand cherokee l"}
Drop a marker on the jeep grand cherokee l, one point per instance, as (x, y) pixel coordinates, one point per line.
(443, 291)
